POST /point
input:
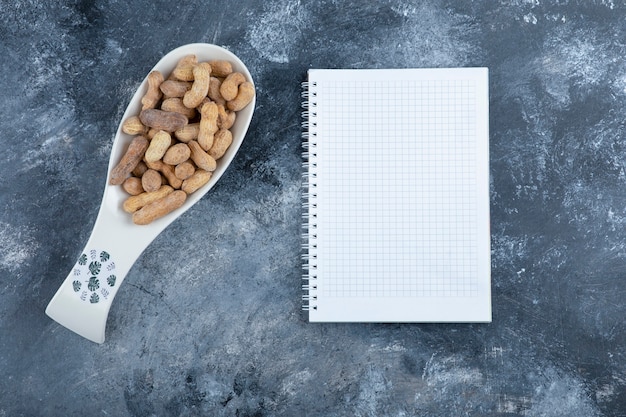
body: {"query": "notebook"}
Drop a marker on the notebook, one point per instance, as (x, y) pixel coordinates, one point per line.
(396, 195)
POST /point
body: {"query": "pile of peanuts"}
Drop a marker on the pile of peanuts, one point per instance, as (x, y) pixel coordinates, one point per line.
(182, 130)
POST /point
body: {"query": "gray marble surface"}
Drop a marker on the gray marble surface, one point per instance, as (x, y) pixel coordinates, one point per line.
(208, 321)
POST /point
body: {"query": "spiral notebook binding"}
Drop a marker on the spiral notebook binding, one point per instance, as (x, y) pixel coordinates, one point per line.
(309, 196)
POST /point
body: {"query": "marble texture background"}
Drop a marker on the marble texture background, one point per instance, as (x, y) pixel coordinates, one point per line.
(208, 321)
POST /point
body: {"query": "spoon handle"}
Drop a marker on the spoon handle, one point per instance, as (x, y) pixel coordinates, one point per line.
(83, 301)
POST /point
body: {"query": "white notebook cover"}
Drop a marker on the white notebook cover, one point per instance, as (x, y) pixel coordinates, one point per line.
(397, 195)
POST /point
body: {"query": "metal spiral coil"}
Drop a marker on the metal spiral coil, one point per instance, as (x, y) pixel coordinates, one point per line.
(309, 196)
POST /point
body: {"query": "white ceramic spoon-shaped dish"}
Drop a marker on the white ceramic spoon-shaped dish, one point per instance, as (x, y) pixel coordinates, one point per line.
(83, 301)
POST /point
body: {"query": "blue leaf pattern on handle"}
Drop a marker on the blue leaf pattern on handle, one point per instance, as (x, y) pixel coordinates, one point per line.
(98, 269)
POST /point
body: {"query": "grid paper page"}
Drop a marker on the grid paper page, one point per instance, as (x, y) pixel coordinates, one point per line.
(401, 195)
